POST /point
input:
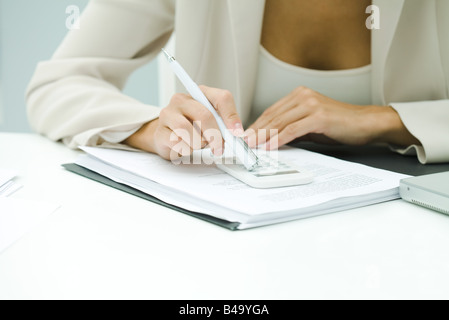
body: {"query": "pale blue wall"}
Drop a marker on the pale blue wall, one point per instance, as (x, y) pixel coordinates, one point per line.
(30, 32)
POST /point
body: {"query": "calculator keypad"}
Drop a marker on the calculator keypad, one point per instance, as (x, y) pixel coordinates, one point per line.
(268, 166)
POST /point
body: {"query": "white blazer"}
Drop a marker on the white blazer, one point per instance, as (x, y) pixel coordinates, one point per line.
(76, 96)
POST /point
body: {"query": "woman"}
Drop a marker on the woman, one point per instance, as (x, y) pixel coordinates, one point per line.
(263, 60)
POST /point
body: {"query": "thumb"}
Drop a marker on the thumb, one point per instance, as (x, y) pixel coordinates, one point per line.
(223, 102)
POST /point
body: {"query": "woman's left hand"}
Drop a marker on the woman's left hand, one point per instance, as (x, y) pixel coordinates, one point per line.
(306, 113)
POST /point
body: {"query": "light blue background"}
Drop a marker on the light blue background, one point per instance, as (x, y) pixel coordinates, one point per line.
(31, 30)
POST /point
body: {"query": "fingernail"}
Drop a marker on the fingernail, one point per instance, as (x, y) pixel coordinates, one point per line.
(252, 141)
(238, 130)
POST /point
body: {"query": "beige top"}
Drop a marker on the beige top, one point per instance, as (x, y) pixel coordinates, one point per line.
(276, 79)
(76, 96)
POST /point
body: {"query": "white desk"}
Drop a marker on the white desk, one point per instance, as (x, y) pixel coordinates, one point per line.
(103, 243)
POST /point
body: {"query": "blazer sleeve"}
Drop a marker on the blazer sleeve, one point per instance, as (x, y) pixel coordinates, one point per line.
(428, 121)
(77, 96)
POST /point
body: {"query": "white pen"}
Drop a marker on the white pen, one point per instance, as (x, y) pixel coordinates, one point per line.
(240, 148)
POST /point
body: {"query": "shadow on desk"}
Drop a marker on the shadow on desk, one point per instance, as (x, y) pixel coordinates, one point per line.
(375, 156)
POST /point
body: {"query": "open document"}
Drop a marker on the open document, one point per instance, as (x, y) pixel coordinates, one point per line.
(338, 185)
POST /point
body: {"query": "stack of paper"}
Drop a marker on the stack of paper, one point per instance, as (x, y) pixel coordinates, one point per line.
(7, 185)
(338, 185)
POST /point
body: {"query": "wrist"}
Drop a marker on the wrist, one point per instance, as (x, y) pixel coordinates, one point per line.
(143, 138)
(389, 127)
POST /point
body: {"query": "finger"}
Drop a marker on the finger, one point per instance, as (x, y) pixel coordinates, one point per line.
(170, 117)
(180, 150)
(258, 136)
(271, 112)
(293, 113)
(300, 96)
(250, 138)
(185, 130)
(223, 102)
(215, 141)
(199, 141)
(205, 123)
(173, 145)
(177, 147)
(291, 132)
(164, 145)
(276, 117)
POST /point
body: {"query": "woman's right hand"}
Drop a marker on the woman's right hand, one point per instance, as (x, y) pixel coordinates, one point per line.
(186, 125)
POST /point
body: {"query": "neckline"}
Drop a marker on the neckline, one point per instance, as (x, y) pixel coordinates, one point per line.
(298, 69)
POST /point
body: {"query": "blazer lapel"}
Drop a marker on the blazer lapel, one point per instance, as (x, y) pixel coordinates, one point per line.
(390, 13)
(246, 26)
(218, 43)
(413, 69)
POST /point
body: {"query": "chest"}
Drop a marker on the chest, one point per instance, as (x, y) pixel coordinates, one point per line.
(324, 34)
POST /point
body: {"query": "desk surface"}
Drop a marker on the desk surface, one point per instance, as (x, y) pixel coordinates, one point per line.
(103, 243)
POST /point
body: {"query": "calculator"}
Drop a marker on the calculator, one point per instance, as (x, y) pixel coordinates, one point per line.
(268, 173)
